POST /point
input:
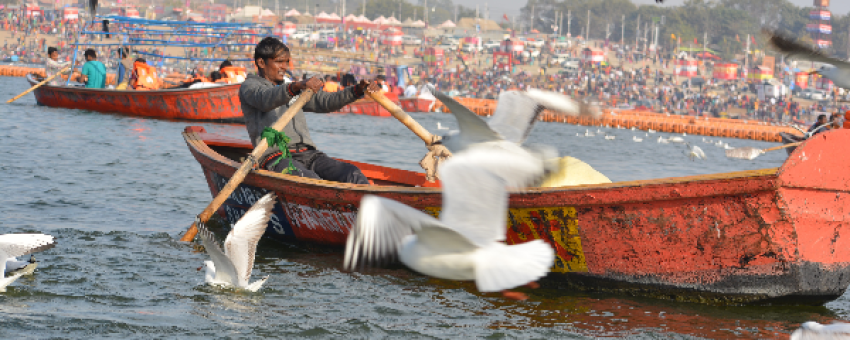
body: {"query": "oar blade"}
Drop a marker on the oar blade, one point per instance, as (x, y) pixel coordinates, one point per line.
(748, 153)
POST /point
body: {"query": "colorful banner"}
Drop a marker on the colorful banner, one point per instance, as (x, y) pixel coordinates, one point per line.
(821, 28)
(823, 43)
(820, 15)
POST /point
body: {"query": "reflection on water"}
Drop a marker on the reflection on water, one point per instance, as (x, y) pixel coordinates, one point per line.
(117, 191)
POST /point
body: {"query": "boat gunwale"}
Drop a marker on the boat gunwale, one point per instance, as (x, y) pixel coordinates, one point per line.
(32, 82)
(768, 176)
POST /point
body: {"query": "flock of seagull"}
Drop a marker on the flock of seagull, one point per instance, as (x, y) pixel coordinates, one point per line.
(693, 152)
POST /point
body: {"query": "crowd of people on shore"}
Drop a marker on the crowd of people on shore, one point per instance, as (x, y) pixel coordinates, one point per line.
(474, 75)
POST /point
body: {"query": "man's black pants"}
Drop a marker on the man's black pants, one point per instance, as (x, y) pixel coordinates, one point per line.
(316, 164)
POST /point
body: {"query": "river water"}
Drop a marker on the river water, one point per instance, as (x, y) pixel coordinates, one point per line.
(118, 191)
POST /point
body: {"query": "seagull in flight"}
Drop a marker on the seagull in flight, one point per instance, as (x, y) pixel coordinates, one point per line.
(467, 242)
(694, 152)
(814, 331)
(838, 71)
(231, 266)
(513, 119)
(14, 245)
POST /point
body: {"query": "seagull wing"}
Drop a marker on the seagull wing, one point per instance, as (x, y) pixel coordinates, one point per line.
(224, 270)
(475, 189)
(14, 245)
(241, 243)
(382, 224)
(472, 127)
(515, 115)
(812, 330)
(797, 51)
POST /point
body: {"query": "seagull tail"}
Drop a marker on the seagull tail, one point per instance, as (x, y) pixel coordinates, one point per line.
(500, 266)
(256, 285)
(6, 281)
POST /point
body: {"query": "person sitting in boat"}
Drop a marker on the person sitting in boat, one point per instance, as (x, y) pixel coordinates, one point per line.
(331, 84)
(816, 127)
(234, 74)
(144, 76)
(124, 68)
(265, 97)
(94, 72)
(53, 66)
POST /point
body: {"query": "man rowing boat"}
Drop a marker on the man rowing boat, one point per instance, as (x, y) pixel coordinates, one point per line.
(267, 95)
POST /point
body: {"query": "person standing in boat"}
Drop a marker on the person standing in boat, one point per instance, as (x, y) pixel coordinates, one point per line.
(265, 97)
(53, 66)
(94, 72)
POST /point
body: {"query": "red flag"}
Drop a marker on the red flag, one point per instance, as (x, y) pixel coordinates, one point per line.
(506, 17)
(753, 38)
(695, 41)
(737, 38)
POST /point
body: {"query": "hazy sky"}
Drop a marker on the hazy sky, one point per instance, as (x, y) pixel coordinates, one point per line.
(511, 7)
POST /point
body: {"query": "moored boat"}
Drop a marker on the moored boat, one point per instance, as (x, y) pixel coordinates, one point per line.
(770, 236)
(218, 104)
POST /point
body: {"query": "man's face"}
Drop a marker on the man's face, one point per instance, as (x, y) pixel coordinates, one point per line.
(54, 55)
(275, 69)
(822, 120)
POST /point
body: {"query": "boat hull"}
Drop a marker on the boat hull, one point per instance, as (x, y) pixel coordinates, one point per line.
(766, 236)
(217, 104)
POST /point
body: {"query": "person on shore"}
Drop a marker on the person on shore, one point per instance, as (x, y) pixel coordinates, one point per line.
(266, 96)
(94, 72)
(53, 66)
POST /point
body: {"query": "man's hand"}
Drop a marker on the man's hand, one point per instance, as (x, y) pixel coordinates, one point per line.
(316, 84)
(369, 86)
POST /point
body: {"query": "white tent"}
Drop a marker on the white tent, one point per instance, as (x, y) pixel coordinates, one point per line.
(393, 21)
(447, 24)
(267, 13)
(323, 15)
(292, 13)
(418, 23)
(380, 20)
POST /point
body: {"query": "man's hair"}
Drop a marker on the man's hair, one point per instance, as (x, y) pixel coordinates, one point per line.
(50, 50)
(269, 48)
(224, 64)
(122, 52)
(821, 117)
(348, 79)
(90, 53)
(215, 75)
(327, 77)
(381, 77)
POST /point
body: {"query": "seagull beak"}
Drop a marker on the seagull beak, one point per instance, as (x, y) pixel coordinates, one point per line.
(201, 267)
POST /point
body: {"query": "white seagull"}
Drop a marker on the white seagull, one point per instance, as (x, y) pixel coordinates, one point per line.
(231, 267)
(607, 137)
(694, 152)
(661, 140)
(838, 70)
(814, 331)
(513, 119)
(650, 131)
(588, 133)
(467, 242)
(14, 245)
(637, 140)
(676, 139)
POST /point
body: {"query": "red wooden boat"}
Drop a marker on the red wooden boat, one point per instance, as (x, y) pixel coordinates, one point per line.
(764, 236)
(218, 104)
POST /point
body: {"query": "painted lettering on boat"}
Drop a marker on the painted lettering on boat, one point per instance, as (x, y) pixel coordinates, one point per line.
(320, 218)
(556, 226)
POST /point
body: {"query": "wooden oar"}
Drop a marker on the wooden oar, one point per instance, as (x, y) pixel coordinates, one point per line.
(436, 152)
(403, 117)
(749, 152)
(246, 167)
(39, 84)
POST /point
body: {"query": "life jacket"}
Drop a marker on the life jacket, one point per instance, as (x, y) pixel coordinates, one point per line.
(237, 74)
(331, 86)
(145, 77)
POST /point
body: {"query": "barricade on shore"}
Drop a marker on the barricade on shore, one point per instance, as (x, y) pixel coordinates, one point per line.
(17, 71)
(644, 120)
